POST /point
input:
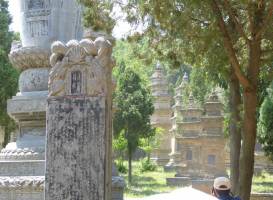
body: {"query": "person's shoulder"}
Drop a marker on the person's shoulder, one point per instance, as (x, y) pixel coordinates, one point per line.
(230, 198)
(236, 198)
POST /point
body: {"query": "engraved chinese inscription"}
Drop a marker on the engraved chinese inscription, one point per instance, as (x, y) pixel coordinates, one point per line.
(76, 82)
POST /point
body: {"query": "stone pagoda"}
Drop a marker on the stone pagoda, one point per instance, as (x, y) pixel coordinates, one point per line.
(161, 117)
(199, 151)
(178, 95)
(22, 162)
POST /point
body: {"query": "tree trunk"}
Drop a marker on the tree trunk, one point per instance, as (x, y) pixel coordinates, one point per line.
(248, 146)
(234, 131)
(129, 166)
(250, 121)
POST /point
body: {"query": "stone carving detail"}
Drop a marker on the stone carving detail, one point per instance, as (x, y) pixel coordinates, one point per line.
(35, 4)
(76, 82)
(38, 28)
(80, 67)
(22, 154)
(32, 183)
(28, 57)
(37, 16)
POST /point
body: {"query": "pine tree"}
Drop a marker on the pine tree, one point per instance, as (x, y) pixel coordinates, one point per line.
(8, 75)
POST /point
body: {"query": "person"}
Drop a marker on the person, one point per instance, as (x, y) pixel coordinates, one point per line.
(221, 189)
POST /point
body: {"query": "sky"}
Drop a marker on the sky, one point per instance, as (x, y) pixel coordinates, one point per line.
(15, 13)
(121, 29)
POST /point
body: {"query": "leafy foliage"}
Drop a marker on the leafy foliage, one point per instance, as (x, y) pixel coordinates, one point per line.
(134, 107)
(225, 37)
(121, 167)
(147, 165)
(97, 15)
(8, 75)
(265, 125)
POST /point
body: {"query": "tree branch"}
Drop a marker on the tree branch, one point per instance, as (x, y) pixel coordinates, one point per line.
(203, 22)
(229, 47)
(238, 26)
(251, 22)
(265, 22)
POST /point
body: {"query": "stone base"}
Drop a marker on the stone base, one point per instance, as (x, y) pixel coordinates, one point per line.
(118, 185)
(28, 106)
(169, 168)
(22, 188)
(178, 181)
(32, 188)
(22, 168)
(160, 161)
(204, 185)
(21, 195)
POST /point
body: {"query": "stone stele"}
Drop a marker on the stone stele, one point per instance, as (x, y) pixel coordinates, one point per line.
(78, 149)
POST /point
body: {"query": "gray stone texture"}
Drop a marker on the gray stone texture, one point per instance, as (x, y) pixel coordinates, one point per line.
(44, 21)
(22, 168)
(75, 167)
(23, 159)
(34, 80)
(79, 122)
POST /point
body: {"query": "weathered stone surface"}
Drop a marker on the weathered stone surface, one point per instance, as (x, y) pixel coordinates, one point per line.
(34, 80)
(118, 185)
(78, 158)
(24, 58)
(70, 76)
(22, 168)
(29, 107)
(21, 188)
(44, 21)
(75, 148)
(32, 188)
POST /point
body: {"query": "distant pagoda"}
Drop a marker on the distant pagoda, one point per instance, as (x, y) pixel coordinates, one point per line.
(162, 114)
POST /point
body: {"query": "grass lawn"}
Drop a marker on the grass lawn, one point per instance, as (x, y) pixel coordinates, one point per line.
(149, 183)
(263, 183)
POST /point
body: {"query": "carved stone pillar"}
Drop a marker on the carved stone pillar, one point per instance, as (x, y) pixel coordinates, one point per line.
(22, 162)
(79, 121)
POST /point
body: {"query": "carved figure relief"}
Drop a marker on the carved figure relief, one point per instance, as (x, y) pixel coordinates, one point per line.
(80, 67)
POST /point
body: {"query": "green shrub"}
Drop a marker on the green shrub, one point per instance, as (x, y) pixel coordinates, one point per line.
(121, 167)
(147, 165)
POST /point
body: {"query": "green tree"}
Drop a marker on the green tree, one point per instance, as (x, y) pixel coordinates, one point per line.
(8, 75)
(232, 38)
(134, 107)
(119, 147)
(265, 125)
(97, 15)
(239, 32)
